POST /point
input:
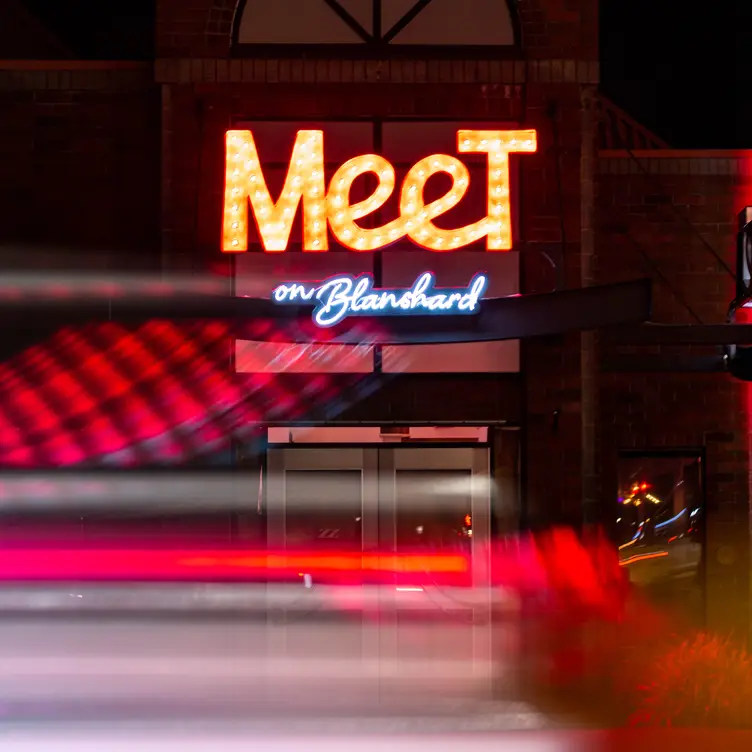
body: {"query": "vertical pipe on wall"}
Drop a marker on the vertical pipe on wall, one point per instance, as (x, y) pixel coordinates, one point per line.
(506, 517)
(592, 513)
(166, 178)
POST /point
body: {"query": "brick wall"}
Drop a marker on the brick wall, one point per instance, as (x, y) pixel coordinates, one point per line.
(79, 164)
(660, 214)
(200, 114)
(204, 90)
(551, 202)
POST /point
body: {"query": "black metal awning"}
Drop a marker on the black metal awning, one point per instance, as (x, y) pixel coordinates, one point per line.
(506, 318)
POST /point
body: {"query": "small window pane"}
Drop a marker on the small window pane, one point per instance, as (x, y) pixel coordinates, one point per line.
(280, 357)
(453, 270)
(461, 23)
(323, 510)
(433, 511)
(361, 11)
(293, 22)
(660, 528)
(257, 274)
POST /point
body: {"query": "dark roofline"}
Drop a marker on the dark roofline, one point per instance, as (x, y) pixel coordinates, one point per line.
(41, 35)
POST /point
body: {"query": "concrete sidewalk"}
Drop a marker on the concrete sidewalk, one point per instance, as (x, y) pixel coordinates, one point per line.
(193, 738)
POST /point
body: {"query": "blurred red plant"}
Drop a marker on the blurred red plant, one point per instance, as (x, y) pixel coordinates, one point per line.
(703, 682)
(608, 651)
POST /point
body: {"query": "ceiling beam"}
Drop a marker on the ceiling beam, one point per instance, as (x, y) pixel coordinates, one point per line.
(663, 364)
(680, 334)
(513, 317)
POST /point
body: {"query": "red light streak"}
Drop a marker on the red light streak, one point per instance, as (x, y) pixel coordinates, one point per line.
(36, 564)
(642, 557)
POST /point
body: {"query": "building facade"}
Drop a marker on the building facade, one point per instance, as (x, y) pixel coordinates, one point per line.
(564, 425)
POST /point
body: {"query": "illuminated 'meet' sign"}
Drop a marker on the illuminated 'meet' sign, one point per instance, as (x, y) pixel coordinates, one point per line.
(329, 208)
(338, 297)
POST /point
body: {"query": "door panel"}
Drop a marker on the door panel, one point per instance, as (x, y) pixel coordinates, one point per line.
(323, 510)
(316, 499)
(441, 502)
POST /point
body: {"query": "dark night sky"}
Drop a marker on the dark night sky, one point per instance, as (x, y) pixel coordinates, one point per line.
(680, 68)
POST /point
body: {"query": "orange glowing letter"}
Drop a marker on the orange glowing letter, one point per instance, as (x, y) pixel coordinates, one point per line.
(244, 182)
(419, 216)
(342, 214)
(498, 145)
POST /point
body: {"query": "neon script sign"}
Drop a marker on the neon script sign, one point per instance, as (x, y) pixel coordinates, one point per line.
(329, 209)
(336, 298)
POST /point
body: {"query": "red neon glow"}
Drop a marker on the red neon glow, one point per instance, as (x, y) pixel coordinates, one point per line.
(245, 185)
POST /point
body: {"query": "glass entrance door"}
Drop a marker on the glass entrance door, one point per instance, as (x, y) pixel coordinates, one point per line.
(436, 501)
(424, 514)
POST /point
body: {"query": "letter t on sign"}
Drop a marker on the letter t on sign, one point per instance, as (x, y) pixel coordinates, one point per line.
(498, 145)
(244, 181)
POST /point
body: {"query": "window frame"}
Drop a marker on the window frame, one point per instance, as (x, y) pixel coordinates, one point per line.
(379, 48)
(682, 452)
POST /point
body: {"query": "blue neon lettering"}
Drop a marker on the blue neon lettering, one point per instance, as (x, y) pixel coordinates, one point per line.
(290, 293)
(339, 297)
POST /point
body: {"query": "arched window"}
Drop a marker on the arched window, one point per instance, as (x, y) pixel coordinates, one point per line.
(395, 26)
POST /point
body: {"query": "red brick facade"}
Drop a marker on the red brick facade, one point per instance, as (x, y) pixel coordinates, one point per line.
(79, 163)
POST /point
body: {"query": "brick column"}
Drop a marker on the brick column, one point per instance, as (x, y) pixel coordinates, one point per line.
(506, 463)
(168, 262)
(592, 510)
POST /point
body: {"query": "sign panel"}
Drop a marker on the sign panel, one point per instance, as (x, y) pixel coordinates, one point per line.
(259, 274)
(327, 209)
(337, 298)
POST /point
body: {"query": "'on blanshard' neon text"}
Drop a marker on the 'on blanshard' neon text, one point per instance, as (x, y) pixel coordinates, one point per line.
(338, 297)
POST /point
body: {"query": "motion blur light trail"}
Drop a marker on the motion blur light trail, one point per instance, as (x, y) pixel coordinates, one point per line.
(160, 393)
(161, 738)
(572, 581)
(110, 564)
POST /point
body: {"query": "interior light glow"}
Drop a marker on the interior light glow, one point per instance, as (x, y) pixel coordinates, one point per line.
(339, 297)
(305, 182)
